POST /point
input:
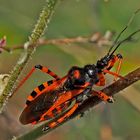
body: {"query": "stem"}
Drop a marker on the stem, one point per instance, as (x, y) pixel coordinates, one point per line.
(95, 38)
(112, 89)
(29, 49)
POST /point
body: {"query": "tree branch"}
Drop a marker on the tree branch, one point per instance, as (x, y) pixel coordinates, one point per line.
(112, 89)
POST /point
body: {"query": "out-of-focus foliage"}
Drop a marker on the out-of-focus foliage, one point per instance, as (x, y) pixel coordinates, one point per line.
(72, 18)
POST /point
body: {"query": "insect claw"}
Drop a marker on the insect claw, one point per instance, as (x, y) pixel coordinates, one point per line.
(110, 100)
(45, 128)
(38, 66)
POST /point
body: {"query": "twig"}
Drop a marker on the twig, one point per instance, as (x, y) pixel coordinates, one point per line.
(112, 89)
(29, 49)
(96, 38)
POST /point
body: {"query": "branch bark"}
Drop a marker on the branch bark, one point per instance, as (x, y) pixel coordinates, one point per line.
(112, 89)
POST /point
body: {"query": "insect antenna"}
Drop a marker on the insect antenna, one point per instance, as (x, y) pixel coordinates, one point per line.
(125, 40)
(119, 35)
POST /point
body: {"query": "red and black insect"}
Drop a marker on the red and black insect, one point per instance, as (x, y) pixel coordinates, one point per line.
(54, 97)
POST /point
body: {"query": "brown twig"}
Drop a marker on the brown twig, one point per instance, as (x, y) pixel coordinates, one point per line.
(96, 38)
(112, 89)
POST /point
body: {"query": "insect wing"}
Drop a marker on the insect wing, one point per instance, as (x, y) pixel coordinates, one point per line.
(38, 107)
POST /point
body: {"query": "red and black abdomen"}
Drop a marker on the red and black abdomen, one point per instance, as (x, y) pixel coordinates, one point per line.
(40, 100)
(38, 107)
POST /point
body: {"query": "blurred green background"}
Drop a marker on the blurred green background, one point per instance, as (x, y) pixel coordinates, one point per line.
(120, 121)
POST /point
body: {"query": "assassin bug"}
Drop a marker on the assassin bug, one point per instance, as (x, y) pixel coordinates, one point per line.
(55, 96)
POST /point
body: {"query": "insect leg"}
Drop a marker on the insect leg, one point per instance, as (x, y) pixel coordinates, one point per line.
(120, 58)
(48, 71)
(103, 96)
(62, 119)
(101, 80)
(43, 69)
(113, 73)
(117, 58)
(69, 113)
